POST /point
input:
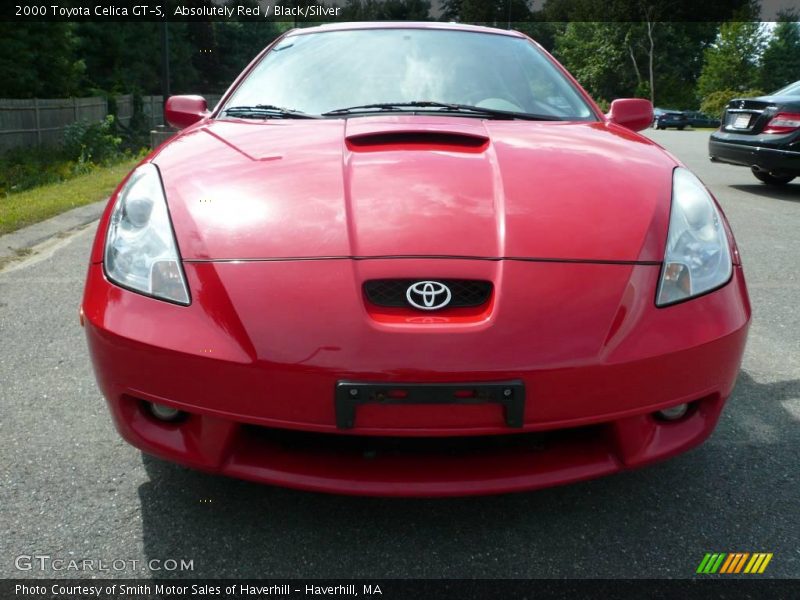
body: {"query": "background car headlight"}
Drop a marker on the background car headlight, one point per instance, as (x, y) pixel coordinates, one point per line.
(698, 256)
(141, 253)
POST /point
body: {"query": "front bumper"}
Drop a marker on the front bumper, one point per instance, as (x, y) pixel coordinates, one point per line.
(258, 381)
(731, 149)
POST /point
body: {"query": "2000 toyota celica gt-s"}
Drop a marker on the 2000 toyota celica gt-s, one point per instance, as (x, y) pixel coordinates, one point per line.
(413, 259)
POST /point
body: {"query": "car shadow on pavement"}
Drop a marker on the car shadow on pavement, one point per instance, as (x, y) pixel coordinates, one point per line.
(737, 492)
(789, 192)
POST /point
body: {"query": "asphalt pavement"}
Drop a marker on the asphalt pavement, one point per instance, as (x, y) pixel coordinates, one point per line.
(70, 488)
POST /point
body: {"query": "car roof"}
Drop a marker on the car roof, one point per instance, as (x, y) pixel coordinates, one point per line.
(793, 89)
(404, 25)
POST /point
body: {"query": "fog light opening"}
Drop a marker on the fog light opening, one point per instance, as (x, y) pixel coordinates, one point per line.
(165, 413)
(673, 413)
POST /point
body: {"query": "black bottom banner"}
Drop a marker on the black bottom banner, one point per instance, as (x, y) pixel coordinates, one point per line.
(391, 589)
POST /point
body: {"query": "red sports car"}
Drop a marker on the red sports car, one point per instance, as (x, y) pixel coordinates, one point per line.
(413, 260)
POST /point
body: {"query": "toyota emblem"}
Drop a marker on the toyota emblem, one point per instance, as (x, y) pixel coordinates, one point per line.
(428, 295)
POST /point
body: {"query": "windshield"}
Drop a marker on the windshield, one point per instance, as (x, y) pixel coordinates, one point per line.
(792, 89)
(319, 72)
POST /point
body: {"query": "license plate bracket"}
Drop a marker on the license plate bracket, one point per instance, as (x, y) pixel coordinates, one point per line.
(351, 394)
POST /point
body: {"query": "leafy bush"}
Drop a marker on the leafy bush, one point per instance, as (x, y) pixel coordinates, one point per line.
(715, 102)
(603, 104)
(85, 147)
(24, 168)
(96, 143)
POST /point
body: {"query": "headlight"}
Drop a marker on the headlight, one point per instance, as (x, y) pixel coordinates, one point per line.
(141, 253)
(698, 256)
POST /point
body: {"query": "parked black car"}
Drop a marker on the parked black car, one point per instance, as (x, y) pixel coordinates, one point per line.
(665, 117)
(698, 119)
(763, 134)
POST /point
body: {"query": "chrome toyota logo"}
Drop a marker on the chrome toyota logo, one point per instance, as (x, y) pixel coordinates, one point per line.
(428, 295)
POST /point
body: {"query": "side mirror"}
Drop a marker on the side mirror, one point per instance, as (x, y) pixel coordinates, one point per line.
(633, 113)
(182, 111)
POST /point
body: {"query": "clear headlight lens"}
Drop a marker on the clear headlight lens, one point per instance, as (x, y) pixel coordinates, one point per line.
(698, 256)
(141, 253)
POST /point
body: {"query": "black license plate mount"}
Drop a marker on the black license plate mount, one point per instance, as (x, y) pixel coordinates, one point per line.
(351, 394)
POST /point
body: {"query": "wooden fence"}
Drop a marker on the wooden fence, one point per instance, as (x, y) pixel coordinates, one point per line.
(41, 121)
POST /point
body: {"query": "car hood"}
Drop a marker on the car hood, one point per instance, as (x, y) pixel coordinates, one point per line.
(416, 186)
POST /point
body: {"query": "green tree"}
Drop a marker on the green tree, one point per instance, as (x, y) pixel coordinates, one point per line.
(626, 11)
(731, 63)
(780, 64)
(658, 60)
(119, 58)
(451, 10)
(127, 57)
(670, 57)
(216, 51)
(595, 53)
(205, 56)
(648, 48)
(39, 60)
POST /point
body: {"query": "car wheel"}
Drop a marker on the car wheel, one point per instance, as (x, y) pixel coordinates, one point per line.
(770, 179)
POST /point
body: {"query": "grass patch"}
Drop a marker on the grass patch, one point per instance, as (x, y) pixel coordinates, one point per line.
(31, 206)
(84, 147)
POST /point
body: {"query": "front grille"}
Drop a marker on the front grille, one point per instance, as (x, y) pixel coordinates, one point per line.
(392, 292)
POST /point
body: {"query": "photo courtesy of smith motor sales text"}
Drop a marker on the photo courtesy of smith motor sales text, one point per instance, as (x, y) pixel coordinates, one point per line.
(399, 299)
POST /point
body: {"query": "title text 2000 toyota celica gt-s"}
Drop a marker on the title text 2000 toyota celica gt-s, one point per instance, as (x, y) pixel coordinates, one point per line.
(413, 260)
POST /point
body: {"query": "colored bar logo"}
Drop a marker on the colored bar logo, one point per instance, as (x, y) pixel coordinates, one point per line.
(734, 562)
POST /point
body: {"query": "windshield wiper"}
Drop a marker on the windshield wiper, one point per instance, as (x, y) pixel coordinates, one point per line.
(441, 107)
(266, 111)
